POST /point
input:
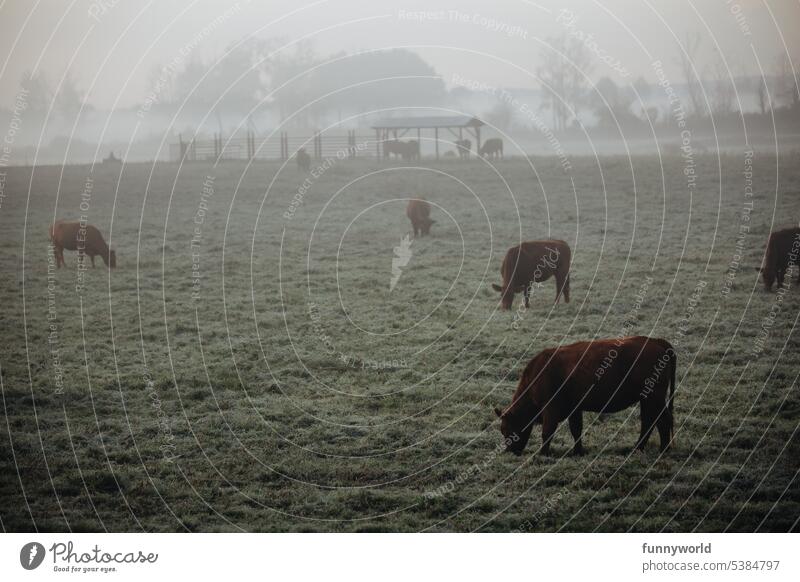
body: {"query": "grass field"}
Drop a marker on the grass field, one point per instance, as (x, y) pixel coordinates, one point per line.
(246, 366)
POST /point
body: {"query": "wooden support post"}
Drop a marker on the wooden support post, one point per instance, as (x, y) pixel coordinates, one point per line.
(478, 140)
(378, 145)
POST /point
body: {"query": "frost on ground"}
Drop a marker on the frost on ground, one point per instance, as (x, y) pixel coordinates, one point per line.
(250, 364)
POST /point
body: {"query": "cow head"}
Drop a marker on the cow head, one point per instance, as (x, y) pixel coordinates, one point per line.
(768, 275)
(112, 259)
(516, 429)
(426, 226)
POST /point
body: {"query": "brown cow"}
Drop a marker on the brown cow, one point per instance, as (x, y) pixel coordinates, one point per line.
(394, 147)
(84, 238)
(532, 262)
(464, 147)
(303, 160)
(783, 249)
(492, 148)
(419, 212)
(411, 150)
(600, 376)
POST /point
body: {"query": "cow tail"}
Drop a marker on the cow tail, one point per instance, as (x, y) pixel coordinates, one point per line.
(672, 369)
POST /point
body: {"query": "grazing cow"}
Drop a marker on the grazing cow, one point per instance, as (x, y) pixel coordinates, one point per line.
(303, 160)
(533, 262)
(85, 239)
(783, 249)
(411, 150)
(419, 212)
(464, 147)
(599, 376)
(393, 147)
(492, 148)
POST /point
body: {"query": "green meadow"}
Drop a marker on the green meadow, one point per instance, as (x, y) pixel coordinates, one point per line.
(248, 365)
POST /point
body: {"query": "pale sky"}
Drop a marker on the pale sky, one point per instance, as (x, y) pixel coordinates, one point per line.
(112, 54)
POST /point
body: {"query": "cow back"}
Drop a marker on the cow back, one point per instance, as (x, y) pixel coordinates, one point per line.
(781, 245)
(418, 209)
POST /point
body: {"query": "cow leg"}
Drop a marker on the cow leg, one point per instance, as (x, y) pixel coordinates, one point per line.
(664, 424)
(527, 294)
(780, 274)
(576, 428)
(549, 427)
(59, 251)
(92, 261)
(648, 424)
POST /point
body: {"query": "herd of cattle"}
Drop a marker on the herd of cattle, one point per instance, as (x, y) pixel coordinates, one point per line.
(408, 151)
(559, 383)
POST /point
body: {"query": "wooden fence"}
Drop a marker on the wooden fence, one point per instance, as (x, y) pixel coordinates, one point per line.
(281, 146)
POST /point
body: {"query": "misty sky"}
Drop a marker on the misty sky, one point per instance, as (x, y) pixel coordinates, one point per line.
(112, 54)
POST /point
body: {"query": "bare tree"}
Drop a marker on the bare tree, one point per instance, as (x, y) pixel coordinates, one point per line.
(290, 76)
(723, 91)
(502, 115)
(565, 66)
(687, 57)
(762, 92)
(786, 91)
(40, 91)
(613, 103)
(68, 99)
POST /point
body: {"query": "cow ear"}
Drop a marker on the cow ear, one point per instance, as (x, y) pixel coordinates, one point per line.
(496, 287)
(498, 412)
(759, 269)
